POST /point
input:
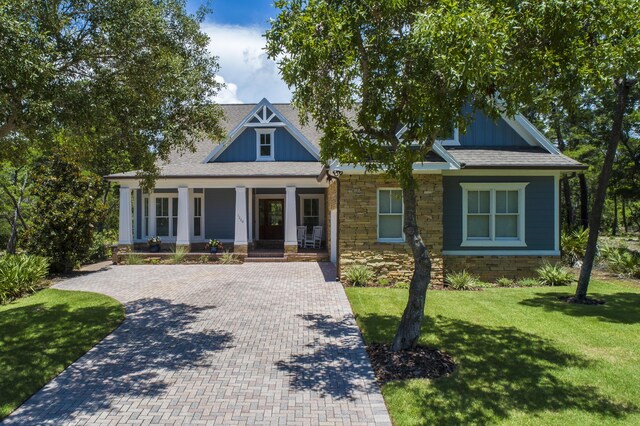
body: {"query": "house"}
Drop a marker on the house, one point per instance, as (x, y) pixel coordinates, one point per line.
(488, 199)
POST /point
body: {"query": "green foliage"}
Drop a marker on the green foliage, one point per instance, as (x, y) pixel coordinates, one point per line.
(505, 282)
(100, 248)
(573, 245)
(44, 333)
(65, 212)
(359, 275)
(554, 274)
(228, 258)
(620, 260)
(21, 274)
(127, 81)
(462, 281)
(133, 259)
(383, 282)
(203, 259)
(401, 285)
(179, 254)
(528, 282)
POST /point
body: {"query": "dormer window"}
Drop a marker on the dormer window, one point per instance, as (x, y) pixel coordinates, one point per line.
(264, 142)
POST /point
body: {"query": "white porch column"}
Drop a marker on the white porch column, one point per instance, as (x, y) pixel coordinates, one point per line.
(290, 222)
(125, 234)
(240, 240)
(182, 237)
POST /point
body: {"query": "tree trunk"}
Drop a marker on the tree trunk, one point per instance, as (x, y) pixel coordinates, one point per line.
(12, 244)
(595, 219)
(625, 224)
(614, 225)
(584, 201)
(568, 206)
(409, 328)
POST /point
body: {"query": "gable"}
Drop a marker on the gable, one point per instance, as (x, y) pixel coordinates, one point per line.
(484, 132)
(243, 147)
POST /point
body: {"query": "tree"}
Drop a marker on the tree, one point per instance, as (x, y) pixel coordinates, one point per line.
(65, 211)
(124, 81)
(365, 69)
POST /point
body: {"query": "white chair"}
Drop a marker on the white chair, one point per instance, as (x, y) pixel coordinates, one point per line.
(302, 235)
(316, 238)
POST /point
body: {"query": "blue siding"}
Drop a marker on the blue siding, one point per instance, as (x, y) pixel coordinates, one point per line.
(243, 148)
(220, 212)
(539, 212)
(483, 131)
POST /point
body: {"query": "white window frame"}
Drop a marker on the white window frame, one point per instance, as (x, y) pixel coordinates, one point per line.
(378, 214)
(321, 212)
(146, 214)
(494, 241)
(196, 196)
(271, 133)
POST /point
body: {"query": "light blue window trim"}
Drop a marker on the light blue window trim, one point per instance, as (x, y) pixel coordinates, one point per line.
(390, 215)
(502, 208)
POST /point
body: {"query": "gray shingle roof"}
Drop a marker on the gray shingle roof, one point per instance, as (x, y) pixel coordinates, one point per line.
(256, 169)
(502, 158)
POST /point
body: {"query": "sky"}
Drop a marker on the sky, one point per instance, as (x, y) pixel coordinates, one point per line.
(236, 29)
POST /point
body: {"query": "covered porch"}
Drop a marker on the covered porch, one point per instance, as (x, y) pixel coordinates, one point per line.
(256, 218)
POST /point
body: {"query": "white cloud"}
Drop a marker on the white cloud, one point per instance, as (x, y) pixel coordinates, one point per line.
(244, 66)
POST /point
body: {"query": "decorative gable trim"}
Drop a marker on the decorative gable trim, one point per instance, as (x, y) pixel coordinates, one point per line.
(264, 114)
(530, 133)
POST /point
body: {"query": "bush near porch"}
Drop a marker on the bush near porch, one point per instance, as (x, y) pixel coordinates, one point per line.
(524, 357)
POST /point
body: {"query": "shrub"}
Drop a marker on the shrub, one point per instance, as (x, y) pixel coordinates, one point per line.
(134, 259)
(528, 282)
(21, 274)
(359, 275)
(179, 254)
(402, 285)
(203, 259)
(66, 208)
(622, 261)
(228, 258)
(100, 248)
(574, 245)
(462, 281)
(504, 282)
(553, 274)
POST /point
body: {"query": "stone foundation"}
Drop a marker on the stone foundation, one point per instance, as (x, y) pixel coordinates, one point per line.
(290, 248)
(241, 249)
(392, 262)
(491, 268)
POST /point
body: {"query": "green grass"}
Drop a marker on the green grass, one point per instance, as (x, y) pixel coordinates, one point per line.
(524, 357)
(42, 334)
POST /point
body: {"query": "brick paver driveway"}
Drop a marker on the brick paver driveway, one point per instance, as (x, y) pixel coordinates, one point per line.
(226, 344)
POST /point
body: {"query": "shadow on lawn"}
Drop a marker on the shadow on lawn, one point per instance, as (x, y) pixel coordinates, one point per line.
(335, 364)
(500, 369)
(621, 308)
(156, 335)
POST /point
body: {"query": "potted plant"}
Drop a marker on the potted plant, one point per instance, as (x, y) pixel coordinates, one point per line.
(154, 244)
(214, 246)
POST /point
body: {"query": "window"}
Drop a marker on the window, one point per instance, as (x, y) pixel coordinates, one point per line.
(162, 217)
(493, 214)
(452, 138)
(311, 213)
(265, 151)
(145, 229)
(390, 215)
(174, 216)
(197, 216)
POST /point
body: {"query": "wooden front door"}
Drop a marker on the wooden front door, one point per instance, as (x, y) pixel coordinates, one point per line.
(271, 217)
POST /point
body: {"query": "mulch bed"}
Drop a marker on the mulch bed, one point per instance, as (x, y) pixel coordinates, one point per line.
(418, 363)
(586, 301)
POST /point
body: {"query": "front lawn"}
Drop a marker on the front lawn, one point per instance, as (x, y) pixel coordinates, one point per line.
(523, 356)
(42, 334)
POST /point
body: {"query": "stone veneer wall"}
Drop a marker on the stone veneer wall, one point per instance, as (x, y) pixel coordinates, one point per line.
(359, 233)
(490, 268)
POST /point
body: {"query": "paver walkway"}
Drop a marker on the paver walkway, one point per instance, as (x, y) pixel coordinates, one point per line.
(268, 343)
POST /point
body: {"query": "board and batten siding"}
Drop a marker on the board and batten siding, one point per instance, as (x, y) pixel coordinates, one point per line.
(220, 212)
(243, 148)
(539, 212)
(484, 132)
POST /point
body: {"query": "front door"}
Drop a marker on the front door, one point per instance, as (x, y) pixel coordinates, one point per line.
(271, 216)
